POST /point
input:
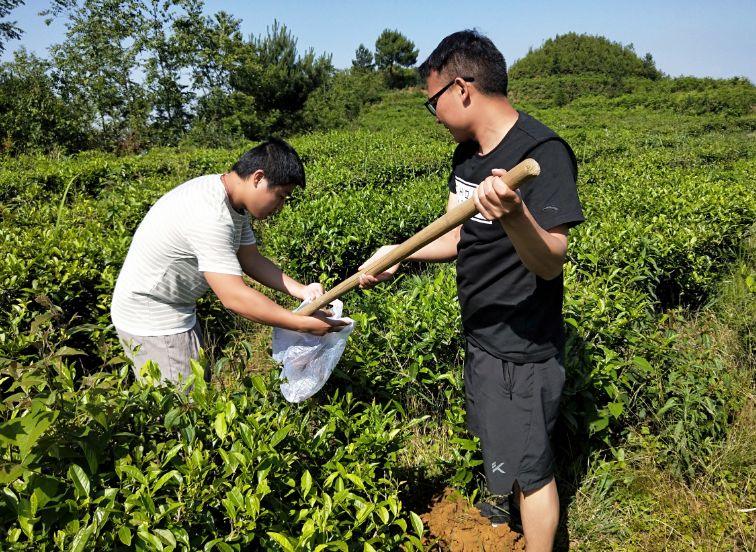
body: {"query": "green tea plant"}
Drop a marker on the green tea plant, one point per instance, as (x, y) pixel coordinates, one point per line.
(101, 463)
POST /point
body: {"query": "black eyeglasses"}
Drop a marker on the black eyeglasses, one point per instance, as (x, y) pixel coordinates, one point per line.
(433, 100)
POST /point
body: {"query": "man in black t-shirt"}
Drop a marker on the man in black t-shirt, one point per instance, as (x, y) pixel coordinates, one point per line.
(509, 271)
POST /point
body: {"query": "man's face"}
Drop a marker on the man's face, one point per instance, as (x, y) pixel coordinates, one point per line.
(264, 200)
(446, 99)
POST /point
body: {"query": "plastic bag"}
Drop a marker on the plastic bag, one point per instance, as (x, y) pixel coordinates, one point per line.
(308, 360)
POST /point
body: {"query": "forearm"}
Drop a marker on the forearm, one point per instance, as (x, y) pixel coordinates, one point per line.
(441, 249)
(264, 271)
(268, 274)
(542, 252)
(255, 306)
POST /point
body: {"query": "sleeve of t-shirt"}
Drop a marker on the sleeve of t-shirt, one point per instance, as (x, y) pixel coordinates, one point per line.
(460, 153)
(211, 239)
(247, 236)
(552, 196)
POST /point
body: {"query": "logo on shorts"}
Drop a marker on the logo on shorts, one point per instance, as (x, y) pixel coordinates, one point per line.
(497, 467)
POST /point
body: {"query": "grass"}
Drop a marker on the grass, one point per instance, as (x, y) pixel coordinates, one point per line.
(652, 510)
(635, 503)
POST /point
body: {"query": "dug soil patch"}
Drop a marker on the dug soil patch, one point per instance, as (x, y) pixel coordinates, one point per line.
(459, 527)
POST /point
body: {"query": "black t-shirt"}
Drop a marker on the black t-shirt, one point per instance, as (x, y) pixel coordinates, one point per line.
(506, 309)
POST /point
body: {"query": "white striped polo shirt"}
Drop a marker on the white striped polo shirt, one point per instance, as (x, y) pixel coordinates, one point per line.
(190, 230)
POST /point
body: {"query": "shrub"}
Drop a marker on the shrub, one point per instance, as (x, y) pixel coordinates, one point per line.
(95, 462)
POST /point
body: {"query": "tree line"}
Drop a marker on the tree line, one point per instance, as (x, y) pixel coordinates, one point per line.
(133, 74)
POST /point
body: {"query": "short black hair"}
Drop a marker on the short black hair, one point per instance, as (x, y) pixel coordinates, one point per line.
(278, 160)
(469, 54)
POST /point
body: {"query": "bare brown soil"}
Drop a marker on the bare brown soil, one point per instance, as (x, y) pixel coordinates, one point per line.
(457, 526)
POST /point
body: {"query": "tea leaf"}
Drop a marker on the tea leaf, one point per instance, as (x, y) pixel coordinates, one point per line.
(417, 524)
(80, 480)
(306, 483)
(124, 535)
(220, 425)
(282, 541)
(82, 537)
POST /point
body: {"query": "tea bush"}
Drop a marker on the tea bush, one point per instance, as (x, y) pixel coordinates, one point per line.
(335, 232)
(409, 346)
(98, 463)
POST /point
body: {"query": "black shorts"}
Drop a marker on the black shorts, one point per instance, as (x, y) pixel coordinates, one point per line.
(512, 408)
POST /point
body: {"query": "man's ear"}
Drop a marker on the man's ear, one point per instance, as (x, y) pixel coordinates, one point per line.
(257, 177)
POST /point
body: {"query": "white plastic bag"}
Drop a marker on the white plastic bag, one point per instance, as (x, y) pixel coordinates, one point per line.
(308, 360)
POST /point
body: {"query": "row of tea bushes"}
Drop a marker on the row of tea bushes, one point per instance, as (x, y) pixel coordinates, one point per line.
(333, 161)
(97, 463)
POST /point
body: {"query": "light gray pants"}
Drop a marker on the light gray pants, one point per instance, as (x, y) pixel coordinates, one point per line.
(170, 352)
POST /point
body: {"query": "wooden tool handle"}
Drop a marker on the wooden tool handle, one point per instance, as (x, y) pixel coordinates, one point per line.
(519, 174)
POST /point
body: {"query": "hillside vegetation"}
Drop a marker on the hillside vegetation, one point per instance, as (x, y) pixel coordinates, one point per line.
(581, 54)
(573, 67)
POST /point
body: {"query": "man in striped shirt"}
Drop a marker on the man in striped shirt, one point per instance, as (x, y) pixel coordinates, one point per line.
(198, 236)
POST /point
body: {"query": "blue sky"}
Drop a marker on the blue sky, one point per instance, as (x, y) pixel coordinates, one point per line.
(686, 37)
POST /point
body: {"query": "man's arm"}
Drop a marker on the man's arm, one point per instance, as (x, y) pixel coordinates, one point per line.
(443, 248)
(249, 303)
(261, 269)
(543, 252)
